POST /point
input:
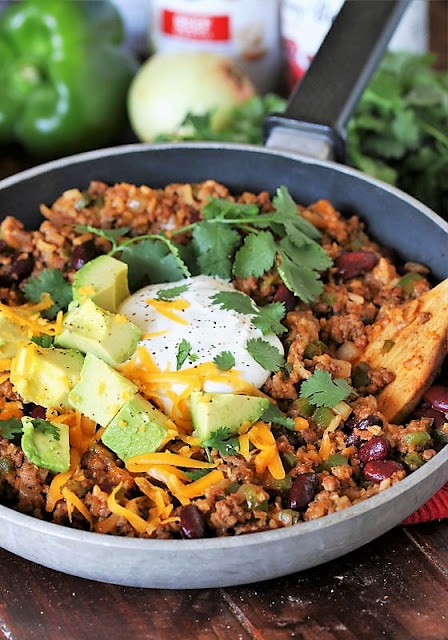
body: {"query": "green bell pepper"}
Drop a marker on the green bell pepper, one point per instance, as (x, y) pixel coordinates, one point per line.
(63, 75)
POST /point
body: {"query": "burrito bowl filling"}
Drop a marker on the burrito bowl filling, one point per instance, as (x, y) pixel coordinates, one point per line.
(187, 363)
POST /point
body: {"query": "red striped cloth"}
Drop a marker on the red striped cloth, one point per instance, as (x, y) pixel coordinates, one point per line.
(435, 509)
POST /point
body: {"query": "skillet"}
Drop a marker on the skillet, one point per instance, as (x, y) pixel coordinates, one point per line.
(314, 125)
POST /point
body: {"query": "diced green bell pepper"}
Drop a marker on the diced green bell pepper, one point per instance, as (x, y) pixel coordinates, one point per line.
(63, 75)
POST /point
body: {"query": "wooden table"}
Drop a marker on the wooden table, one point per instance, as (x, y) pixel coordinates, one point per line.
(395, 588)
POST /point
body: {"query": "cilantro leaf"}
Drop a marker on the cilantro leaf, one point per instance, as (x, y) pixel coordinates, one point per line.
(220, 208)
(183, 351)
(10, 428)
(151, 261)
(303, 282)
(197, 474)
(215, 244)
(322, 391)
(112, 235)
(288, 215)
(268, 318)
(310, 255)
(224, 360)
(49, 281)
(234, 301)
(220, 440)
(256, 256)
(43, 341)
(46, 427)
(169, 294)
(273, 414)
(265, 354)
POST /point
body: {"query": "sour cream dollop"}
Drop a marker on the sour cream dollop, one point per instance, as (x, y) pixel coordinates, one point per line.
(193, 317)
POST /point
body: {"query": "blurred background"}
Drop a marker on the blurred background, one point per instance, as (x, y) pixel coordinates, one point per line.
(116, 71)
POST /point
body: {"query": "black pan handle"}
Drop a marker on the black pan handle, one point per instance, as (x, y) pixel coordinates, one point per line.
(318, 110)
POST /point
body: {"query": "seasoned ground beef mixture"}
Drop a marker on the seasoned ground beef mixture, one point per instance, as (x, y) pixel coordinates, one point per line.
(310, 459)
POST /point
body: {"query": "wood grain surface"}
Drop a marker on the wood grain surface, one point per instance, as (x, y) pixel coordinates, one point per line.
(394, 588)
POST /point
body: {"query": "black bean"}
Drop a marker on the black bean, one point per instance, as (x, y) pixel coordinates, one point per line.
(353, 440)
(379, 470)
(355, 263)
(192, 522)
(437, 396)
(370, 421)
(377, 448)
(83, 253)
(302, 491)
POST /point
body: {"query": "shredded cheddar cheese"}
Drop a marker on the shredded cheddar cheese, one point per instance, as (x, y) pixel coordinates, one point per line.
(134, 520)
(174, 459)
(166, 307)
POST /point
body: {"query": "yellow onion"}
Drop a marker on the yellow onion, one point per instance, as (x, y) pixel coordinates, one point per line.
(169, 86)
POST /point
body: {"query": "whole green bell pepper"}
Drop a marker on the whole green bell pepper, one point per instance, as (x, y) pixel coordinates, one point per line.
(63, 75)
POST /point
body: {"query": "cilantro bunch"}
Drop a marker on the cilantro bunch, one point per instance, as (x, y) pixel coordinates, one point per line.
(399, 132)
(283, 238)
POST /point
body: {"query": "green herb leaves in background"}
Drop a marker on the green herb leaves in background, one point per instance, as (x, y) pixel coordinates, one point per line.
(399, 132)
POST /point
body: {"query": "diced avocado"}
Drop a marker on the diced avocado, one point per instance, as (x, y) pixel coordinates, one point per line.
(210, 411)
(104, 280)
(11, 337)
(109, 336)
(46, 444)
(45, 376)
(101, 391)
(137, 428)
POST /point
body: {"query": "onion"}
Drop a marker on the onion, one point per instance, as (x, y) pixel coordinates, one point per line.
(348, 351)
(169, 86)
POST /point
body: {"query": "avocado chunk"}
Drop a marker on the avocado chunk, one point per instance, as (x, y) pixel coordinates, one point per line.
(109, 336)
(137, 428)
(46, 444)
(104, 280)
(11, 337)
(210, 411)
(101, 391)
(45, 376)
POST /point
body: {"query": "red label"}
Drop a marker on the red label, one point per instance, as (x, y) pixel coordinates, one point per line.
(195, 27)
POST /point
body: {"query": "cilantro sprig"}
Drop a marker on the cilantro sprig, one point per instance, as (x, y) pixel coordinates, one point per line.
(322, 391)
(224, 360)
(273, 414)
(49, 281)
(10, 428)
(46, 427)
(170, 294)
(282, 237)
(184, 353)
(151, 257)
(221, 440)
(265, 354)
(267, 319)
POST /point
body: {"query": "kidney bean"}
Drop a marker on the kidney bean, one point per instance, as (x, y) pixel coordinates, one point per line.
(38, 412)
(302, 491)
(377, 448)
(4, 247)
(192, 522)
(83, 253)
(437, 396)
(426, 412)
(283, 294)
(379, 470)
(17, 270)
(355, 263)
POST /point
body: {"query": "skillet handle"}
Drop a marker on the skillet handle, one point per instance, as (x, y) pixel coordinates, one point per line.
(314, 121)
